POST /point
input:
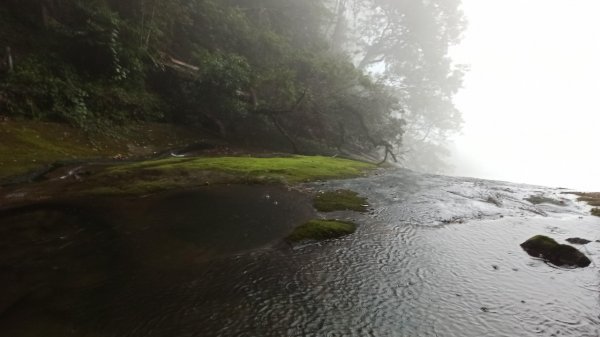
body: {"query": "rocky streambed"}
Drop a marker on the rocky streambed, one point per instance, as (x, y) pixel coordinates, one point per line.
(432, 256)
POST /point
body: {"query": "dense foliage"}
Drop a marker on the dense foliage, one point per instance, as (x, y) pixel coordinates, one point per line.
(293, 73)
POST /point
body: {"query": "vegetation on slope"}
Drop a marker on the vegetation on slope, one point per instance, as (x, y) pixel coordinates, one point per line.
(28, 146)
(244, 70)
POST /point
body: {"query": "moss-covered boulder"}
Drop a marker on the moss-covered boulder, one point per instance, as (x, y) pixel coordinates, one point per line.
(340, 200)
(596, 211)
(561, 255)
(322, 230)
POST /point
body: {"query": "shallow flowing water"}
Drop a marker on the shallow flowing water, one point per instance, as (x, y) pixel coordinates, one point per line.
(436, 256)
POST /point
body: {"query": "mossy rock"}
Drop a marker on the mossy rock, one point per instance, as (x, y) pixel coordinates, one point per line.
(561, 255)
(596, 211)
(322, 230)
(340, 200)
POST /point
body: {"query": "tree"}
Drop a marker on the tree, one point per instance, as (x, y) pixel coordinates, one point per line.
(405, 44)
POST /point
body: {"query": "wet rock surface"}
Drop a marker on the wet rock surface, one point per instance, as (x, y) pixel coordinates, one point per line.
(434, 256)
(561, 255)
(578, 241)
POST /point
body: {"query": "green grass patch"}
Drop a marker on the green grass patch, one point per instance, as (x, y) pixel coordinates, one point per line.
(291, 169)
(322, 230)
(147, 177)
(340, 200)
(596, 211)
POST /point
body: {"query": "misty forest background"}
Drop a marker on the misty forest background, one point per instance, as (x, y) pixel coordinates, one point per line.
(308, 76)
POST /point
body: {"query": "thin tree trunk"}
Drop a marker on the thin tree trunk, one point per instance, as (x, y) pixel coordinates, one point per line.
(284, 133)
(9, 60)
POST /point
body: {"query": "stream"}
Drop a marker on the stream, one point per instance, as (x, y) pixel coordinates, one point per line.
(434, 256)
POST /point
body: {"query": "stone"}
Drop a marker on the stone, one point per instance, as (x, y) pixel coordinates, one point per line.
(561, 255)
(578, 241)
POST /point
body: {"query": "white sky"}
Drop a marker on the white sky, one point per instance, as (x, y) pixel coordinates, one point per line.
(531, 101)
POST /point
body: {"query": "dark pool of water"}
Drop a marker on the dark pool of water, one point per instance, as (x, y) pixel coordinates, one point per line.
(436, 256)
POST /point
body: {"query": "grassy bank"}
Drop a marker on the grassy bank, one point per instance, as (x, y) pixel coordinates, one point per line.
(174, 173)
(29, 145)
(152, 176)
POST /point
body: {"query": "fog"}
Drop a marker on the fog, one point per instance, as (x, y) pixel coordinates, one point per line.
(530, 100)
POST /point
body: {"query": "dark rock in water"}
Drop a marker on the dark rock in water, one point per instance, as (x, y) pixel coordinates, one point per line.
(578, 241)
(555, 253)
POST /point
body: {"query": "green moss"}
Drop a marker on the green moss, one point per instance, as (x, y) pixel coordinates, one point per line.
(322, 230)
(340, 200)
(596, 211)
(31, 145)
(191, 173)
(291, 169)
(542, 241)
(24, 148)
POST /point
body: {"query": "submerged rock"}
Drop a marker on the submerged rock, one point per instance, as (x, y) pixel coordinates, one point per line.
(322, 230)
(561, 255)
(340, 200)
(578, 241)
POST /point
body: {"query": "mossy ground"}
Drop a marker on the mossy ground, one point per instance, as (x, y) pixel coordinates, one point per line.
(340, 200)
(290, 169)
(322, 230)
(29, 145)
(155, 175)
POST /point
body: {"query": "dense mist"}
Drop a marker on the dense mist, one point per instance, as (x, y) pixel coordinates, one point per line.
(530, 98)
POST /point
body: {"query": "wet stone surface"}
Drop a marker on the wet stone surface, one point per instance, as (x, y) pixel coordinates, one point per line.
(434, 256)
